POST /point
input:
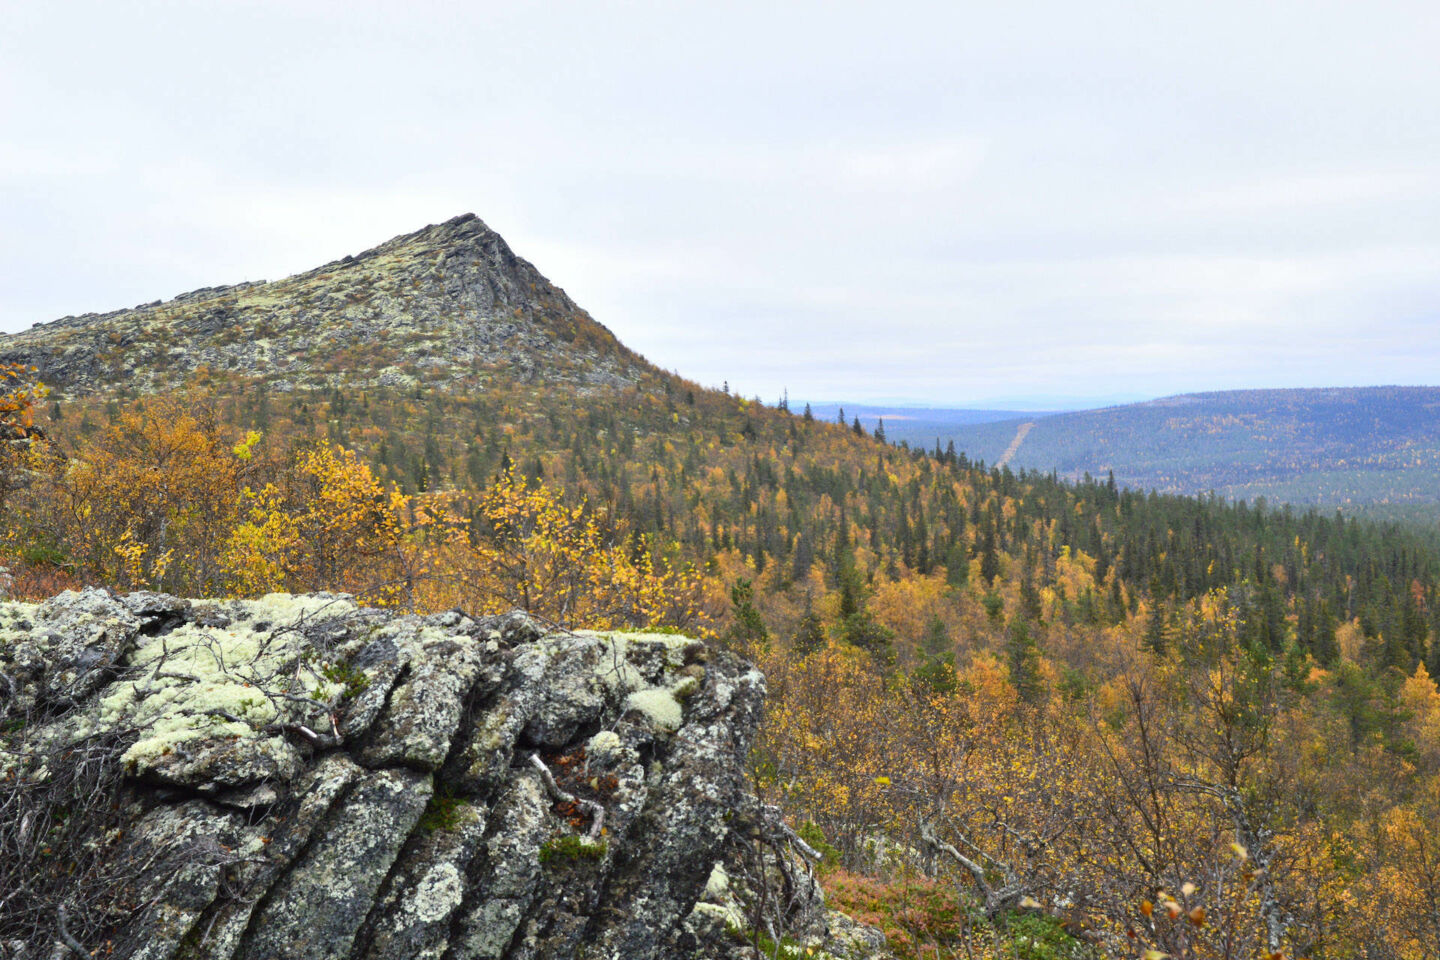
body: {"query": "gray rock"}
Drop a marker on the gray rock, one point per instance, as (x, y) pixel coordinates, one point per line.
(317, 907)
(443, 671)
(57, 654)
(296, 777)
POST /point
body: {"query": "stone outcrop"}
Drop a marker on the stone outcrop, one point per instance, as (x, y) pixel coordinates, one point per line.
(450, 302)
(299, 777)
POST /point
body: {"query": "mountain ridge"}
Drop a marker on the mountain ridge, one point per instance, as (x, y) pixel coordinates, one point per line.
(449, 300)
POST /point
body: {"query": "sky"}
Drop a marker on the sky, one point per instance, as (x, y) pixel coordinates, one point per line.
(950, 203)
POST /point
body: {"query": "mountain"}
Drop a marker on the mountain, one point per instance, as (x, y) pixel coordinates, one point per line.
(1375, 449)
(449, 301)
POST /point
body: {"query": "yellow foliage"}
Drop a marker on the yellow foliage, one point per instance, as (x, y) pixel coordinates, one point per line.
(558, 562)
(150, 500)
(327, 523)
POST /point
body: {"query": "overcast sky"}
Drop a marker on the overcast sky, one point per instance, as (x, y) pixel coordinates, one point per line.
(951, 202)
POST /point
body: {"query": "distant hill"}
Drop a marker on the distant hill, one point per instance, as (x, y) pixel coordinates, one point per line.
(1364, 449)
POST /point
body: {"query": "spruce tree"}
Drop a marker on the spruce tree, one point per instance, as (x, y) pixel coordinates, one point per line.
(1024, 659)
(749, 629)
(936, 672)
(809, 632)
(1155, 627)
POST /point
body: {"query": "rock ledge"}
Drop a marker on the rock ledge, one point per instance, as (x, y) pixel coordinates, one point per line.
(300, 777)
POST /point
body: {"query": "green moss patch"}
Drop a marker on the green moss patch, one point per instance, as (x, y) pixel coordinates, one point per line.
(570, 848)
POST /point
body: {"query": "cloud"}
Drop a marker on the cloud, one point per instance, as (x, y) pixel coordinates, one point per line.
(917, 168)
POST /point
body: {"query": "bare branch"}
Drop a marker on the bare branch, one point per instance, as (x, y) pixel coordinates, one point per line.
(596, 811)
(64, 924)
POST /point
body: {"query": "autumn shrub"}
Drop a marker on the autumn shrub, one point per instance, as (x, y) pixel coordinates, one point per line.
(927, 919)
(147, 502)
(324, 523)
(19, 392)
(529, 549)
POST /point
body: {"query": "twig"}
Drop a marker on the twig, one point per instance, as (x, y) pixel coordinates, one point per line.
(799, 844)
(70, 941)
(597, 812)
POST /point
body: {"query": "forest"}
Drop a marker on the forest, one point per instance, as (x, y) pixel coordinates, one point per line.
(1019, 716)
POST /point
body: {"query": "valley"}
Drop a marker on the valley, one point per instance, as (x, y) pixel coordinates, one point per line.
(1371, 451)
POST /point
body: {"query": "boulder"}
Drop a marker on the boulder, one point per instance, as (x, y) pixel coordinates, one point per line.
(301, 777)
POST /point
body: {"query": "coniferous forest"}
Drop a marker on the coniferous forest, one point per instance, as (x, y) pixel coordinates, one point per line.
(1012, 713)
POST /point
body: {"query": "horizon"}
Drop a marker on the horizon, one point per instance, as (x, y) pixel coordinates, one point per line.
(1046, 405)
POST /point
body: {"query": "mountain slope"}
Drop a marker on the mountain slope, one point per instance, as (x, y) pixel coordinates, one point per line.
(447, 301)
(1351, 447)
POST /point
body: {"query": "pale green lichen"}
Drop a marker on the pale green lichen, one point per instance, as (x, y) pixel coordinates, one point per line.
(437, 894)
(184, 683)
(675, 645)
(621, 676)
(604, 746)
(718, 884)
(685, 687)
(659, 706)
(732, 918)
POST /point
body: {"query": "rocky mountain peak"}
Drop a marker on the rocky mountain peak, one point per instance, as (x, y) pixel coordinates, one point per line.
(446, 302)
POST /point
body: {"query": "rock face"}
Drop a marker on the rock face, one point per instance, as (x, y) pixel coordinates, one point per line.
(450, 301)
(297, 777)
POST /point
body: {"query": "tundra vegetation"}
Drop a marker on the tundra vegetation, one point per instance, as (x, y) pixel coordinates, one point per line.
(1018, 717)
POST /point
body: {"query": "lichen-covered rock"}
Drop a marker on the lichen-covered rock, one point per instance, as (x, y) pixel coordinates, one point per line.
(298, 777)
(56, 654)
(314, 911)
(432, 305)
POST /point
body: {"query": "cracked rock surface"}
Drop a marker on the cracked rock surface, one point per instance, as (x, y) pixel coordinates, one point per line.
(299, 777)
